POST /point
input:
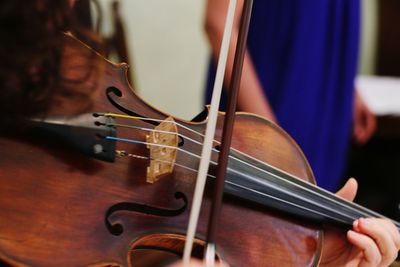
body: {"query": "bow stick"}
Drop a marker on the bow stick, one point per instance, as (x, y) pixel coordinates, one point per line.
(209, 135)
(227, 131)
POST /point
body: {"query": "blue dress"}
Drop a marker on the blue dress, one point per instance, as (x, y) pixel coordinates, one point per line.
(305, 53)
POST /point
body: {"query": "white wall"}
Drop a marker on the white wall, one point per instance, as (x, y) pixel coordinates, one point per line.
(169, 52)
(368, 36)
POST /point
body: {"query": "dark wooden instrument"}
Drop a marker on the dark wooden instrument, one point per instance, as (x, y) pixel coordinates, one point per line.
(86, 187)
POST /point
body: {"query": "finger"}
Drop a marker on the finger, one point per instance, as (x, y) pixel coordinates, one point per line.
(371, 123)
(361, 133)
(372, 256)
(357, 129)
(358, 123)
(364, 121)
(349, 190)
(378, 230)
(389, 225)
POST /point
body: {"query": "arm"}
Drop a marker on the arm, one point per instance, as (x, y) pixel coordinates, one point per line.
(251, 96)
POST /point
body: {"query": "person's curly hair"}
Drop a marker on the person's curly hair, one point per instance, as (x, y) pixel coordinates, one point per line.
(30, 51)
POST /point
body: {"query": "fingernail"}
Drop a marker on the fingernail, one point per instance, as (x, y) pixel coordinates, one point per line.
(352, 234)
(356, 224)
(365, 222)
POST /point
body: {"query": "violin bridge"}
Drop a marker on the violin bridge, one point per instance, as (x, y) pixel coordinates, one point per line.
(162, 143)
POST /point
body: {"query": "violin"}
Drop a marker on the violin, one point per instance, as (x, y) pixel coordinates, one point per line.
(109, 182)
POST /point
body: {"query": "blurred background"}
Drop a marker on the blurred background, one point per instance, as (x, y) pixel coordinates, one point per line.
(166, 46)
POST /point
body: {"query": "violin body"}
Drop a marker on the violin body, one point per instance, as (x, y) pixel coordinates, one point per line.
(59, 207)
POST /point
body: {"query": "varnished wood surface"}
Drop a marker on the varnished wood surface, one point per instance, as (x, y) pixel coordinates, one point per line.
(53, 200)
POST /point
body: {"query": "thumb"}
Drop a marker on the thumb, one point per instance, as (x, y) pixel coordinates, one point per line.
(349, 190)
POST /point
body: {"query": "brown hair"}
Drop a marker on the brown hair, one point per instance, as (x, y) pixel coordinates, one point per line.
(30, 53)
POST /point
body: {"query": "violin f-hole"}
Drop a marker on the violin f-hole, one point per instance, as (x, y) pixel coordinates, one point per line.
(117, 228)
(114, 95)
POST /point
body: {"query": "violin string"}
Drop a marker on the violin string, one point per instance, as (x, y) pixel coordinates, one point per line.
(317, 204)
(184, 137)
(233, 170)
(264, 194)
(160, 160)
(146, 143)
(300, 183)
(151, 144)
(243, 162)
(355, 207)
(170, 147)
(294, 204)
(123, 153)
(151, 119)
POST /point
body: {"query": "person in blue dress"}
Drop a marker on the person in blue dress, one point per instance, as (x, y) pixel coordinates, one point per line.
(299, 72)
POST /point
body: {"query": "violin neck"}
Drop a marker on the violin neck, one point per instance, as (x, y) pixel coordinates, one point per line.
(255, 181)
